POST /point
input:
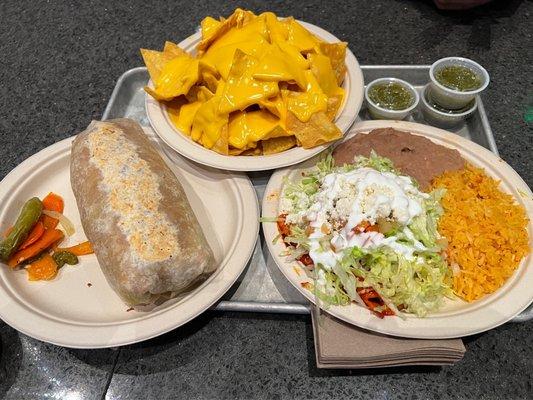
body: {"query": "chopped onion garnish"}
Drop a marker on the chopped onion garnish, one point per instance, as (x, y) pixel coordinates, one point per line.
(64, 221)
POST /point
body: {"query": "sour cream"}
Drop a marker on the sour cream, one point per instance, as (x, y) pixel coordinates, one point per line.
(363, 194)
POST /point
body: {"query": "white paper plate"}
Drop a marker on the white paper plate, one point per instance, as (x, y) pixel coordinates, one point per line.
(66, 311)
(457, 318)
(158, 117)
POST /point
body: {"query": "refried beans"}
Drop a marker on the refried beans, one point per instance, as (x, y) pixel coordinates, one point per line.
(413, 155)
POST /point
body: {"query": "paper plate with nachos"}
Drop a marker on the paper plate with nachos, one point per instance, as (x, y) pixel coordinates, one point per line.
(253, 92)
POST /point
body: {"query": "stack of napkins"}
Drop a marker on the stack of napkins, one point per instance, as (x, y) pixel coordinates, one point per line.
(340, 345)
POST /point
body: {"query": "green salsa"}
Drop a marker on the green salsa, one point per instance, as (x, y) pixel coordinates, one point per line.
(391, 96)
(457, 77)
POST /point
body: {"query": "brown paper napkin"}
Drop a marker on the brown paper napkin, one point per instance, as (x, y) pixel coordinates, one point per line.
(340, 345)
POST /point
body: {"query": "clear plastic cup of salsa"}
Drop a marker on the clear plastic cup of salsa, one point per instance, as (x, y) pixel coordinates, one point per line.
(455, 81)
(390, 98)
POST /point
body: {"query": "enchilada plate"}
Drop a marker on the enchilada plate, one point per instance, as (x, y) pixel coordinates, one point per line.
(457, 318)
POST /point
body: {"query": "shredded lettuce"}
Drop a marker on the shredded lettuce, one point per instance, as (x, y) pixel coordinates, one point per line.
(327, 164)
(416, 284)
(376, 162)
(300, 193)
(419, 287)
(348, 280)
(298, 237)
(424, 226)
(333, 292)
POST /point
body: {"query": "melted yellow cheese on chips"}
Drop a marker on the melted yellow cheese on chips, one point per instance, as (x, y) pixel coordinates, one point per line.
(313, 100)
(248, 128)
(258, 84)
(242, 89)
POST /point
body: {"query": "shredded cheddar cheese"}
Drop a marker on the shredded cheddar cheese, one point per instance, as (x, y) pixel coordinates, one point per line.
(485, 229)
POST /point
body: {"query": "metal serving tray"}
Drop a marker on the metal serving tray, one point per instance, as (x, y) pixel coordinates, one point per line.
(262, 287)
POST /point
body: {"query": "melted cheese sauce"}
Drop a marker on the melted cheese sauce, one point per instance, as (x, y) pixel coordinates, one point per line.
(133, 193)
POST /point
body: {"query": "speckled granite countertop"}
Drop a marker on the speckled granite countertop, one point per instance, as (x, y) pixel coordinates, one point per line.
(59, 64)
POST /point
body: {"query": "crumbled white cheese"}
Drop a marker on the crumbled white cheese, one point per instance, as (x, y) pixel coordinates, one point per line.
(349, 198)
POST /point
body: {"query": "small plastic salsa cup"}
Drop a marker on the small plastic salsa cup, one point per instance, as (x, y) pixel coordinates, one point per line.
(380, 112)
(453, 99)
(441, 117)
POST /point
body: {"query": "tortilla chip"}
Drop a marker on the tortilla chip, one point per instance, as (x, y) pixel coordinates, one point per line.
(232, 151)
(248, 127)
(186, 116)
(173, 108)
(241, 89)
(277, 29)
(252, 152)
(154, 94)
(176, 78)
(277, 106)
(278, 144)
(210, 81)
(207, 67)
(155, 61)
(337, 55)
(173, 49)
(310, 102)
(281, 62)
(324, 74)
(199, 93)
(238, 18)
(209, 25)
(278, 131)
(209, 127)
(221, 145)
(300, 37)
(318, 130)
(334, 103)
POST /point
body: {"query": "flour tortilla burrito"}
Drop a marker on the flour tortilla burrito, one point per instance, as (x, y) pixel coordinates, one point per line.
(135, 213)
